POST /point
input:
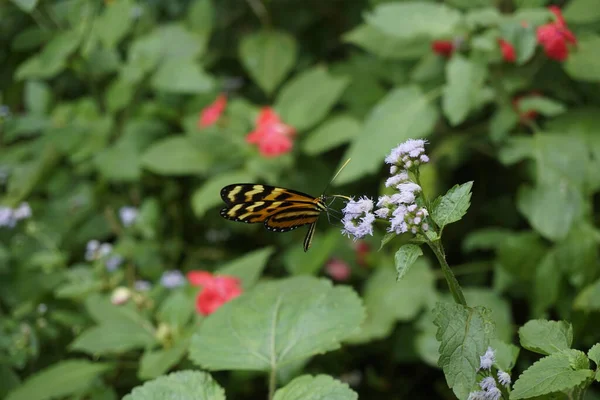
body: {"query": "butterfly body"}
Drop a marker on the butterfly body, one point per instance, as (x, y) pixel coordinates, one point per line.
(280, 209)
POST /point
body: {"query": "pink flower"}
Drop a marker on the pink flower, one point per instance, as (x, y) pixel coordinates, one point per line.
(216, 290)
(442, 47)
(211, 114)
(555, 36)
(337, 269)
(508, 51)
(272, 135)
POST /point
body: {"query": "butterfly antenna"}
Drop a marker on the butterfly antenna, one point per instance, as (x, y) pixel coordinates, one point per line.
(335, 176)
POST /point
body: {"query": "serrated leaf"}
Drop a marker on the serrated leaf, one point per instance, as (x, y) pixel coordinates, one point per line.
(268, 56)
(452, 206)
(248, 267)
(208, 196)
(277, 323)
(387, 238)
(188, 385)
(59, 380)
(553, 373)
(405, 258)
(154, 363)
(464, 336)
(546, 337)
(499, 308)
(320, 387)
(465, 79)
(594, 354)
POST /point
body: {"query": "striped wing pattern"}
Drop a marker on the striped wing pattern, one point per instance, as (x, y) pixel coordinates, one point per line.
(281, 210)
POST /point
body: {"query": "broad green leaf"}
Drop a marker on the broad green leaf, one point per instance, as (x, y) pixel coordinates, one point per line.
(308, 97)
(25, 5)
(505, 354)
(584, 63)
(516, 148)
(155, 363)
(37, 97)
(181, 76)
(582, 11)
(61, 379)
(114, 23)
(553, 373)
(52, 58)
(386, 46)
(177, 309)
(464, 335)
(188, 385)
(546, 337)
(546, 284)
(268, 56)
(320, 387)
(277, 323)
(588, 299)
(248, 268)
(176, 155)
(331, 134)
(452, 206)
(465, 79)
(411, 20)
(119, 164)
(108, 338)
(208, 196)
(118, 95)
(388, 301)
(544, 105)
(594, 354)
(405, 257)
(559, 160)
(500, 312)
(403, 114)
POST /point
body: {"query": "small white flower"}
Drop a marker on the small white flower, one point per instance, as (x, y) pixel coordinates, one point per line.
(397, 179)
(358, 218)
(479, 395)
(488, 359)
(408, 154)
(172, 279)
(113, 262)
(382, 213)
(120, 295)
(104, 250)
(142, 286)
(393, 170)
(405, 197)
(409, 187)
(128, 215)
(7, 217)
(493, 394)
(22, 212)
(42, 308)
(487, 383)
(503, 378)
(91, 249)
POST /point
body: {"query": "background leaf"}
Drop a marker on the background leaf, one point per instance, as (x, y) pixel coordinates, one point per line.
(320, 387)
(191, 385)
(405, 258)
(546, 337)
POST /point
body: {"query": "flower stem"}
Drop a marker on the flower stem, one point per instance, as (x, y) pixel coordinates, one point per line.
(272, 382)
(453, 284)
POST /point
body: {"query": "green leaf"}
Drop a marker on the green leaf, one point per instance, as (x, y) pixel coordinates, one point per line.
(37, 97)
(114, 23)
(320, 387)
(176, 155)
(584, 63)
(405, 257)
(505, 354)
(543, 105)
(108, 338)
(181, 76)
(466, 4)
(59, 380)
(452, 206)
(411, 20)
(403, 114)
(52, 58)
(546, 337)
(248, 268)
(332, 133)
(546, 284)
(594, 354)
(200, 18)
(277, 323)
(155, 363)
(177, 309)
(188, 385)
(388, 301)
(588, 299)
(208, 195)
(582, 11)
(386, 46)
(465, 79)
(500, 311)
(25, 5)
(300, 262)
(387, 238)
(520, 254)
(119, 164)
(118, 95)
(463, 334)
(308, 97)
(268, 56)
(554, 373)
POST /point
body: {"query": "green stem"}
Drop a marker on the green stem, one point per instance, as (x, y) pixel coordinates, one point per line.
(272, 382)
(453, 284)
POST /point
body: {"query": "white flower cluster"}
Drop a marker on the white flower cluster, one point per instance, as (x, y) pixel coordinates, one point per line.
(9, 216)
(358, 218)
(407, 155)
(96, 250)
(489, 389)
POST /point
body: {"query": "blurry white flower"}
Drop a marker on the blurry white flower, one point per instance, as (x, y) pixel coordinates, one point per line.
(22, 212)
(358, 218)
(488, 359)
(113, 262)
(128, 215)
(142, 286)
(7, 217)
(503, 378)
(487, 383)
(172, 279)
(120, 295)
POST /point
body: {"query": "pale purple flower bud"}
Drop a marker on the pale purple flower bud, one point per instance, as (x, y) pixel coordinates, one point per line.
(113, 262)
(493, 394)
(91, 249)
(503, 378)
(424, 159)
(488, 359)
(479, 395)
(128, 215)
(22, 212)
(7, 217)
(358, 218)
(172, 279)
(487, 383)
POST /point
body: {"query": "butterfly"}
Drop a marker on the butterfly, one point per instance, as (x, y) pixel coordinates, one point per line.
(280, 209)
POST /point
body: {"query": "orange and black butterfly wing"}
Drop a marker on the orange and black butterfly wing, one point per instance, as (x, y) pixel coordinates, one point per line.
(258, 211)
(295, 217)
(252, 192)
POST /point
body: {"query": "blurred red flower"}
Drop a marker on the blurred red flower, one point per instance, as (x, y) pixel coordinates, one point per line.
(272, 135)
(337, 269)
(362, 248)
(508, 51)
(216, 290)
(211, 114)
(555, 35)
(443, 47)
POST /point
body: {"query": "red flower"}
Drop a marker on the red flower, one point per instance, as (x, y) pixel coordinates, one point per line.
(272, 136)
(216, 290)
(554, 37)
(337, 269)
(443, 47)
(211, 114)
(362, 248)
(508, 51)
